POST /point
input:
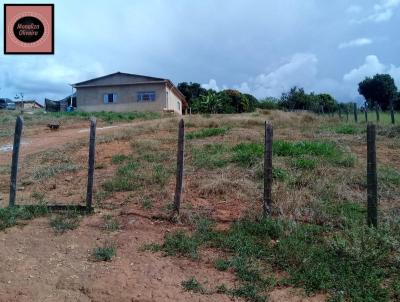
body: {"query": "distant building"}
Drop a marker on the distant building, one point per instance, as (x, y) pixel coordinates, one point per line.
(27, 104)
(128, 92)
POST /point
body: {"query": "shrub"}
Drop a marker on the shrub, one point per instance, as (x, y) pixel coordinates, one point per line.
(66, 221)
(11, 215)
(105, 253)
(193, 285)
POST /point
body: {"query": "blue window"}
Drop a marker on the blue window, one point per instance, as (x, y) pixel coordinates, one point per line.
(109, 98)
(147, 96)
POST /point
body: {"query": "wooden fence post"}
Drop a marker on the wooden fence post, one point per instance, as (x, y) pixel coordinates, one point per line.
(355, 112)
(92, 153)
(377, 112)
(14, 164)
(340, 113)
(347, 114)
(267, 200)
(392, 111)
(179, 167)
(366, 115)
(372, 182)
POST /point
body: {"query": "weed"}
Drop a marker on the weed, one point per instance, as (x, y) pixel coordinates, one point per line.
(345, 129)
(279, 174)
(110, 224)
(127, 179)
(222, 289)
(193, 285)
(118, 158)
(104, 253)
(11, 215)
(146, 203)
(65, 221)
(389, 176)
(46, 172)
(350, 264)
(304, 163)
(207, 132)
(221, 264)
(211, 156)
(39, 196)
(179, 243)
(101, 196)
(247, 154)
(160, 175)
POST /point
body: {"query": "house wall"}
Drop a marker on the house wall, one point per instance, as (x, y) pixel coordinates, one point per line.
(91, 98)
(174, 103)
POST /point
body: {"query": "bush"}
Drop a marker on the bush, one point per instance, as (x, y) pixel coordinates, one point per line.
(105, 253)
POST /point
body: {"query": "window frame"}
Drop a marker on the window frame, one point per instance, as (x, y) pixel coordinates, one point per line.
(107, 95)
(141, 94)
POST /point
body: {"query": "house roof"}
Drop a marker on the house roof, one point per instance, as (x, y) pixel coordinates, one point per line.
(28, 102)
(138, 80)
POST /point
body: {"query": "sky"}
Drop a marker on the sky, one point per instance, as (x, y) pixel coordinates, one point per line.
(262, 47)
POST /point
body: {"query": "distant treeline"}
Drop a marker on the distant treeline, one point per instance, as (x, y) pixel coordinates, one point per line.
(379, 91)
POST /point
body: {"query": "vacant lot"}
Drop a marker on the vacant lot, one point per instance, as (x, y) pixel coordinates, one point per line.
(315, 248)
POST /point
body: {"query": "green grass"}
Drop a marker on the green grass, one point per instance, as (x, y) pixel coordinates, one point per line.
(211, 156)
(192, 285)
(388, 176)
(107, 116)
(350, 263)
(127, 178)
(279, 174)
(160, 175)
(118, 158)
(104, 253)
(10, 216)
(247, 154)
(304, 163)
(348, 128)
(110, 224)
(299, 148)
(207, 132)
(65, 221)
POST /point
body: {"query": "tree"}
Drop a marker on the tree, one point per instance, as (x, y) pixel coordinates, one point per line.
(253, 102)
(208, 103)
(191, 91)
(380, 90)
(237, 100)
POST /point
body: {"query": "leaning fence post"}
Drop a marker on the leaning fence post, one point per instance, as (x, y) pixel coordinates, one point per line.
(14, 164)
(179, 167)
(372, 182)
(355, 112)
(92, 153)
(377, 112)
(391, 111)
(267, 200)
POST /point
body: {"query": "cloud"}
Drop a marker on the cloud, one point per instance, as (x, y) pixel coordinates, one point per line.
(300, 70)
(355, 43)
(212, 84)
(382, 12)
(371, 66)
(44, 77)
(354, 9)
